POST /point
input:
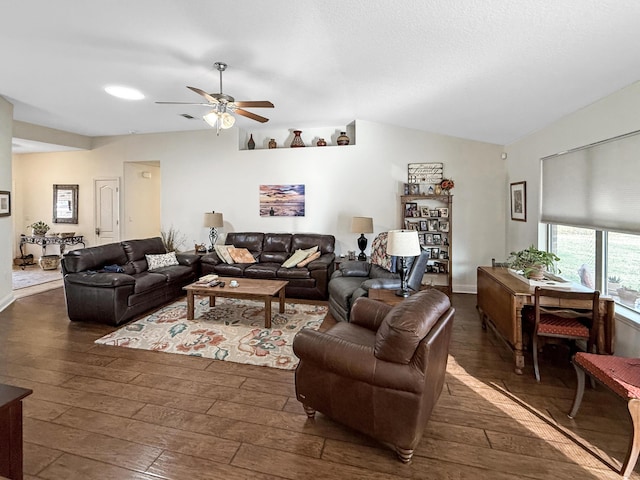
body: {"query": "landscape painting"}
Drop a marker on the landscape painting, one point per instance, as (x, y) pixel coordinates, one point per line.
(282, 200)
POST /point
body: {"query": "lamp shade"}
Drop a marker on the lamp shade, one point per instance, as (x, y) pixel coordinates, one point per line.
(403, 243)
(213, 219)
(362, 225)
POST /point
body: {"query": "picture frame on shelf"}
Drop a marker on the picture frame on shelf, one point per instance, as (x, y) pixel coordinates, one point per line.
(414, 189)
(434, 213)
(442, 268)
(435, 252)
(437, 239)
(421, 239)
(423, 225)
(5, 204)
(444, 212)
(424, 212)
(519, 201)
(410, 209)
(444, 227)
(413, 226)
(428, 239)
(433, 225)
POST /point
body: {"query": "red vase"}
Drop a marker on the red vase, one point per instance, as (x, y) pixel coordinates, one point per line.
(297, 139)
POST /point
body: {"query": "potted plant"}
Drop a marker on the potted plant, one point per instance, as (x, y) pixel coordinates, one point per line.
(533, 262)
(613, 283)
(39, 228)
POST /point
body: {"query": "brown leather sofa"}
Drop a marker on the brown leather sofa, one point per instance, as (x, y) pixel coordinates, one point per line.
(382, 373)
(270, 250)
(94, 294)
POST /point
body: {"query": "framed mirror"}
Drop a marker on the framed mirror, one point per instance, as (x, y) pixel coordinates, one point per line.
(65, 204)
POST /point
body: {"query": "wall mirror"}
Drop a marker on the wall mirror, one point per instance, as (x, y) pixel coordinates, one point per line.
(65, 204)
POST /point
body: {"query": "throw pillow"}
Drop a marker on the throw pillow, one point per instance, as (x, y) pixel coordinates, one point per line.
(162, 260)
(309, 259)
(296, 258)
(241, 255)
(223, 253)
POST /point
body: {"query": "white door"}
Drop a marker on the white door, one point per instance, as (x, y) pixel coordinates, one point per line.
(107, 210)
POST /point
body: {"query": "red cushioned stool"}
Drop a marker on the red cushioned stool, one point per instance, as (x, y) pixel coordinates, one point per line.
(622, 376)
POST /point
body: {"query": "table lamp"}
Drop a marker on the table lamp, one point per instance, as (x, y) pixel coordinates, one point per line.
(362, 225)
(213, 220)
(402, 244)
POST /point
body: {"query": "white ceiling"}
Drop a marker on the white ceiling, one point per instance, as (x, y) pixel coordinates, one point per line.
(489, 70)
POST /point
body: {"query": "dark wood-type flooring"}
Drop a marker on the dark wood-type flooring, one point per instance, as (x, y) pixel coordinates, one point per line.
(100, 412)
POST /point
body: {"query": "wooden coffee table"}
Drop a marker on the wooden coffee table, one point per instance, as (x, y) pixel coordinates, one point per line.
(248, 288)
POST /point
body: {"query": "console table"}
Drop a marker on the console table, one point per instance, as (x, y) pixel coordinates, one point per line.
(501, 297)
(11, 430)
(44, 240)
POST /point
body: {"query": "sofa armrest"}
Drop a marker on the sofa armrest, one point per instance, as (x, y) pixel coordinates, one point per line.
(100, 280)
(355, 268)
(384, 283)
(210, 258)
(187, 259)
(354, 361)
(368, 313)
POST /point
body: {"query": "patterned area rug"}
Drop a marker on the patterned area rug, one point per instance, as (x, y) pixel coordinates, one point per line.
(233, 331)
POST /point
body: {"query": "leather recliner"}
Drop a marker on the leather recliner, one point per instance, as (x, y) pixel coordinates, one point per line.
(353, 280)
(383, 372)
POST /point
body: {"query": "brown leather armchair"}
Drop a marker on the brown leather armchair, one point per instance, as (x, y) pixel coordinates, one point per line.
(382, 373)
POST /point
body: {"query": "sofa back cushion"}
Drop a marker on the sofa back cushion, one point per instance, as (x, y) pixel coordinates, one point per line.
(252, 241)
(304, 241)
(137, 249)
(93, 258)
(276, 247)
(406, 324)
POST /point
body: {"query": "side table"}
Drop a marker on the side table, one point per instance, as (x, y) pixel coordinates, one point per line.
(11, 430)
(386, 295)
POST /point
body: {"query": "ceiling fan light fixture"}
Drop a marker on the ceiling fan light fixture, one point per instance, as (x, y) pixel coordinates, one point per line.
(211, 118)
(227, 120)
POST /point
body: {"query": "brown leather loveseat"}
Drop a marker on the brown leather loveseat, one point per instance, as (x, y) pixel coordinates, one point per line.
(112, 283)
(270, 251)
(382, 373)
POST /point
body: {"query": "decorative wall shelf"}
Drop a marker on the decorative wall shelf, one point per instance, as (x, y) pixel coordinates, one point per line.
(310, 136)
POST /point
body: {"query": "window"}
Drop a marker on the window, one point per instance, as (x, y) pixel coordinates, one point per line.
(607, 261)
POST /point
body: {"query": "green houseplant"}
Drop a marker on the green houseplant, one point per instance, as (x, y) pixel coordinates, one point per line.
(39, 227)
(533, 262)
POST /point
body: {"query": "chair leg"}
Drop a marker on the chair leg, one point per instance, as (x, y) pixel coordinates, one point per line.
(534, 347)
(311, 412)
(404, 454)
(577, 399)
(634, 444)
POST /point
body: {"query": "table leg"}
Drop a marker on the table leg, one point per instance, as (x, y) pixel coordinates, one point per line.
(212, 301)
(267, 312)
(282, 300)
(518, 354)
(190, 306)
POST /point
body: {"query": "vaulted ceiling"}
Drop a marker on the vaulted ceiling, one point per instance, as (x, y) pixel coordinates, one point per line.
(489, 70)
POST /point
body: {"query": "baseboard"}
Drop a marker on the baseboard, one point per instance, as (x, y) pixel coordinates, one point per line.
(465, 289)
(6, 301)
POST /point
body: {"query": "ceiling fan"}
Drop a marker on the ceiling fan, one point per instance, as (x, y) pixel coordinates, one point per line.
(224, 105)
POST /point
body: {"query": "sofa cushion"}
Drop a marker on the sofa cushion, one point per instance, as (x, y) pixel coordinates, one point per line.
(286, 273)
(231, 270)
(94, 258)
(296, 258)
(161, 260)
(137, 249)
(175, 273)
(309, 259)
(262, 270)
(146, 281)
(223, 253)
(241, 255)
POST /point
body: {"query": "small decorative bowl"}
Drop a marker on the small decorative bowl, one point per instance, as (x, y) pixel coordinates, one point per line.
(67, 234)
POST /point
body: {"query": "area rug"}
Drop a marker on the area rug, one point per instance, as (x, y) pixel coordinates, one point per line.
(232, 331)
(33, 275)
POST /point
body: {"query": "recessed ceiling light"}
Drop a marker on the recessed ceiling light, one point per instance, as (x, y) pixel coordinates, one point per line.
(127, 93)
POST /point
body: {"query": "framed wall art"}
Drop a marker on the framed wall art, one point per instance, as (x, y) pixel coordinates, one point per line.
(282, 200)
(5, 204)
(519, 201)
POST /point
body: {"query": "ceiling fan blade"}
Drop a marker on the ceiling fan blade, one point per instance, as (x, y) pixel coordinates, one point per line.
(250, 115)
(254, 104)
(184, 103)
(204, 94)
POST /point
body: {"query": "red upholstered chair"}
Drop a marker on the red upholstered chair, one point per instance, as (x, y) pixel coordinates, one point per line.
(622, 376)
(576, 322)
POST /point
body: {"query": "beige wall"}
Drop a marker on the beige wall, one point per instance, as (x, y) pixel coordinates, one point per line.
(202, 172)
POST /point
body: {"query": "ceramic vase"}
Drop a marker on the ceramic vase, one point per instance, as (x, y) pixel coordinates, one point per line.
(297, 139)
(438, 190)
(343, 139)
(321, 142)
(273, 143)
(251, 144)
